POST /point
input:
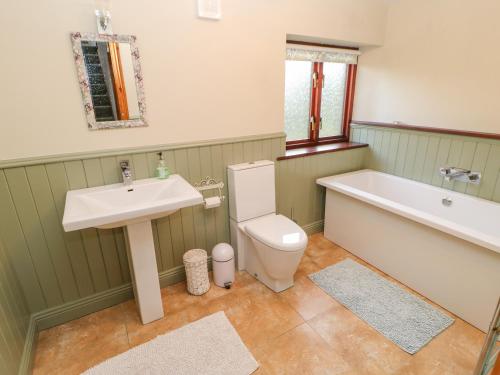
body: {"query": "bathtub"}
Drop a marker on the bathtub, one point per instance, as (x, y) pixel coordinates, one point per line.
(443, 244)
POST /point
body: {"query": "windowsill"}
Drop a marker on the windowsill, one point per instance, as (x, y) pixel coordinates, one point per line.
(320, 149)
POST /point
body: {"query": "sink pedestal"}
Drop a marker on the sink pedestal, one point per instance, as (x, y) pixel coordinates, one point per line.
(142, 262)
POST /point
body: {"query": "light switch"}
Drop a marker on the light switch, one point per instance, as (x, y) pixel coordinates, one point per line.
(209, 9)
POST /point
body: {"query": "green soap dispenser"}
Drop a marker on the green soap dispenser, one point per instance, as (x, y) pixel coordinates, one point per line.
(162, 171)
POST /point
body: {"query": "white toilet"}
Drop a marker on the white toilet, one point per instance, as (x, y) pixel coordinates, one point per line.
(268, 246)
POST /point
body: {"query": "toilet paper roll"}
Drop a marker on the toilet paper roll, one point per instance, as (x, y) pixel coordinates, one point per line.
(212, 202)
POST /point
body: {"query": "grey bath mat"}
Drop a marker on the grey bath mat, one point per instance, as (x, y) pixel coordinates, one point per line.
(400, 316)
(208, 346)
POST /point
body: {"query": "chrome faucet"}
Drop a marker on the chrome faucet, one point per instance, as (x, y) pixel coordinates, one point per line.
(126, 173)
(460, 174)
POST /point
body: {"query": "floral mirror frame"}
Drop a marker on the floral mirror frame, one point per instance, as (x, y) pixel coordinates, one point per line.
(84, 81)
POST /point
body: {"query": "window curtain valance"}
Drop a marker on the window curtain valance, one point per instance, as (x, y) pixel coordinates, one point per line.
(321, 54)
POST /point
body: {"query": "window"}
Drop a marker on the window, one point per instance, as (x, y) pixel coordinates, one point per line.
(319, 88)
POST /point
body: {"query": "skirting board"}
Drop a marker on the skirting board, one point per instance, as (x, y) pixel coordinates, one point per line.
(315, 227)
(73, 310)
(84, 306)
(26, 362)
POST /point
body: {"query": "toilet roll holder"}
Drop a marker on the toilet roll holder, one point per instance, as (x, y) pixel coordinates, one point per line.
(209, 183)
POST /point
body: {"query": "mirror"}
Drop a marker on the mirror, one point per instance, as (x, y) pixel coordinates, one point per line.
(110, 78)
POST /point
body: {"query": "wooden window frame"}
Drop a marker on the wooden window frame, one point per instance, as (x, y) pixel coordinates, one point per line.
(315, 109)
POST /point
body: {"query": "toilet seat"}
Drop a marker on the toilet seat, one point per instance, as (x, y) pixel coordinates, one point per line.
(277, 232)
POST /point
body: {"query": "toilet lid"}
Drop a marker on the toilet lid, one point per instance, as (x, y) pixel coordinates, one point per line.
(278, 232)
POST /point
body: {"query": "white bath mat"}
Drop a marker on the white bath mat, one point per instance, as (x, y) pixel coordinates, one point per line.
(400, 316)
(208, 346)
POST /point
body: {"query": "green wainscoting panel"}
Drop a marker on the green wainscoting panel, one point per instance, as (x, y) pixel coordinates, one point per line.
(14, 317)
(55, 268)
(418, 155)
(48, 276)
(298, 195)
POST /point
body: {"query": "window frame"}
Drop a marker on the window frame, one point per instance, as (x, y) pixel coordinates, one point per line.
(315, 109)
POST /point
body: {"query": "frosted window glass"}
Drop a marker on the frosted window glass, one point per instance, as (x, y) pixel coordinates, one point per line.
(332, 99)
(297, 99)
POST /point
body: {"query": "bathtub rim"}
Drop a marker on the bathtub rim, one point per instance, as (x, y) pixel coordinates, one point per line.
(471, 235)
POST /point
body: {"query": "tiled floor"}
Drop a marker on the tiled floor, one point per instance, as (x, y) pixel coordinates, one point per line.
(299, 331)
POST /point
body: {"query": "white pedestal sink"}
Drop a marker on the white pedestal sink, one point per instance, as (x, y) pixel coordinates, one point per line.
(133, 206)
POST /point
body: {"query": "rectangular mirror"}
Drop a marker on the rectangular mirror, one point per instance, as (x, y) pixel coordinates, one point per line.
(110, 78)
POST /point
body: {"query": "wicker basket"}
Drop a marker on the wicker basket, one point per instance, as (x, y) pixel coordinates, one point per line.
(195, 262)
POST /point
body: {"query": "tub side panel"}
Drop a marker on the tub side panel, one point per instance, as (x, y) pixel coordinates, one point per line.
(462, 277)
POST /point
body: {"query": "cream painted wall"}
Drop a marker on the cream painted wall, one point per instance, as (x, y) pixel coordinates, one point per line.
(439, 66)
(203, 79)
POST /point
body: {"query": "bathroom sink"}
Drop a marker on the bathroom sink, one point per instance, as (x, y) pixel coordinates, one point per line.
(117, 205)
(133, 205)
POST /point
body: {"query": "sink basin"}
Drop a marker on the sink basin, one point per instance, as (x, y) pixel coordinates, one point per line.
(133, 206)
(117, 205)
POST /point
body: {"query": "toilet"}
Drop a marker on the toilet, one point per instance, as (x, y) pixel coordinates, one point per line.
(268, 246)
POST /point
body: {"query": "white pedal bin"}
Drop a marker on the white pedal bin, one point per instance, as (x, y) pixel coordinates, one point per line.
(223, 265)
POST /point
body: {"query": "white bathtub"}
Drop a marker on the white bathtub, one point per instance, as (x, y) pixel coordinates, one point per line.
(450, 254)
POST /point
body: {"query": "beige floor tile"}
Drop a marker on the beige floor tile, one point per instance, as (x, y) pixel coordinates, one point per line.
(257, 313)
(454, 351)
(78, 345)
(242, 279)
(364, 348)
(324, 256)
(307, 298)
(306, 267)
(300, 351)
(320, 241)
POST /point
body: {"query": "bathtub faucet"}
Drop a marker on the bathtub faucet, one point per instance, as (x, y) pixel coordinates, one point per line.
(460, 174)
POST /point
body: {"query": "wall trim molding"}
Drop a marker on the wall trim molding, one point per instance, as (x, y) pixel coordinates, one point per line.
(464, 133)
(317, 44)
(314, 227)
(76, 309)
(23, 162)
(28, 356)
